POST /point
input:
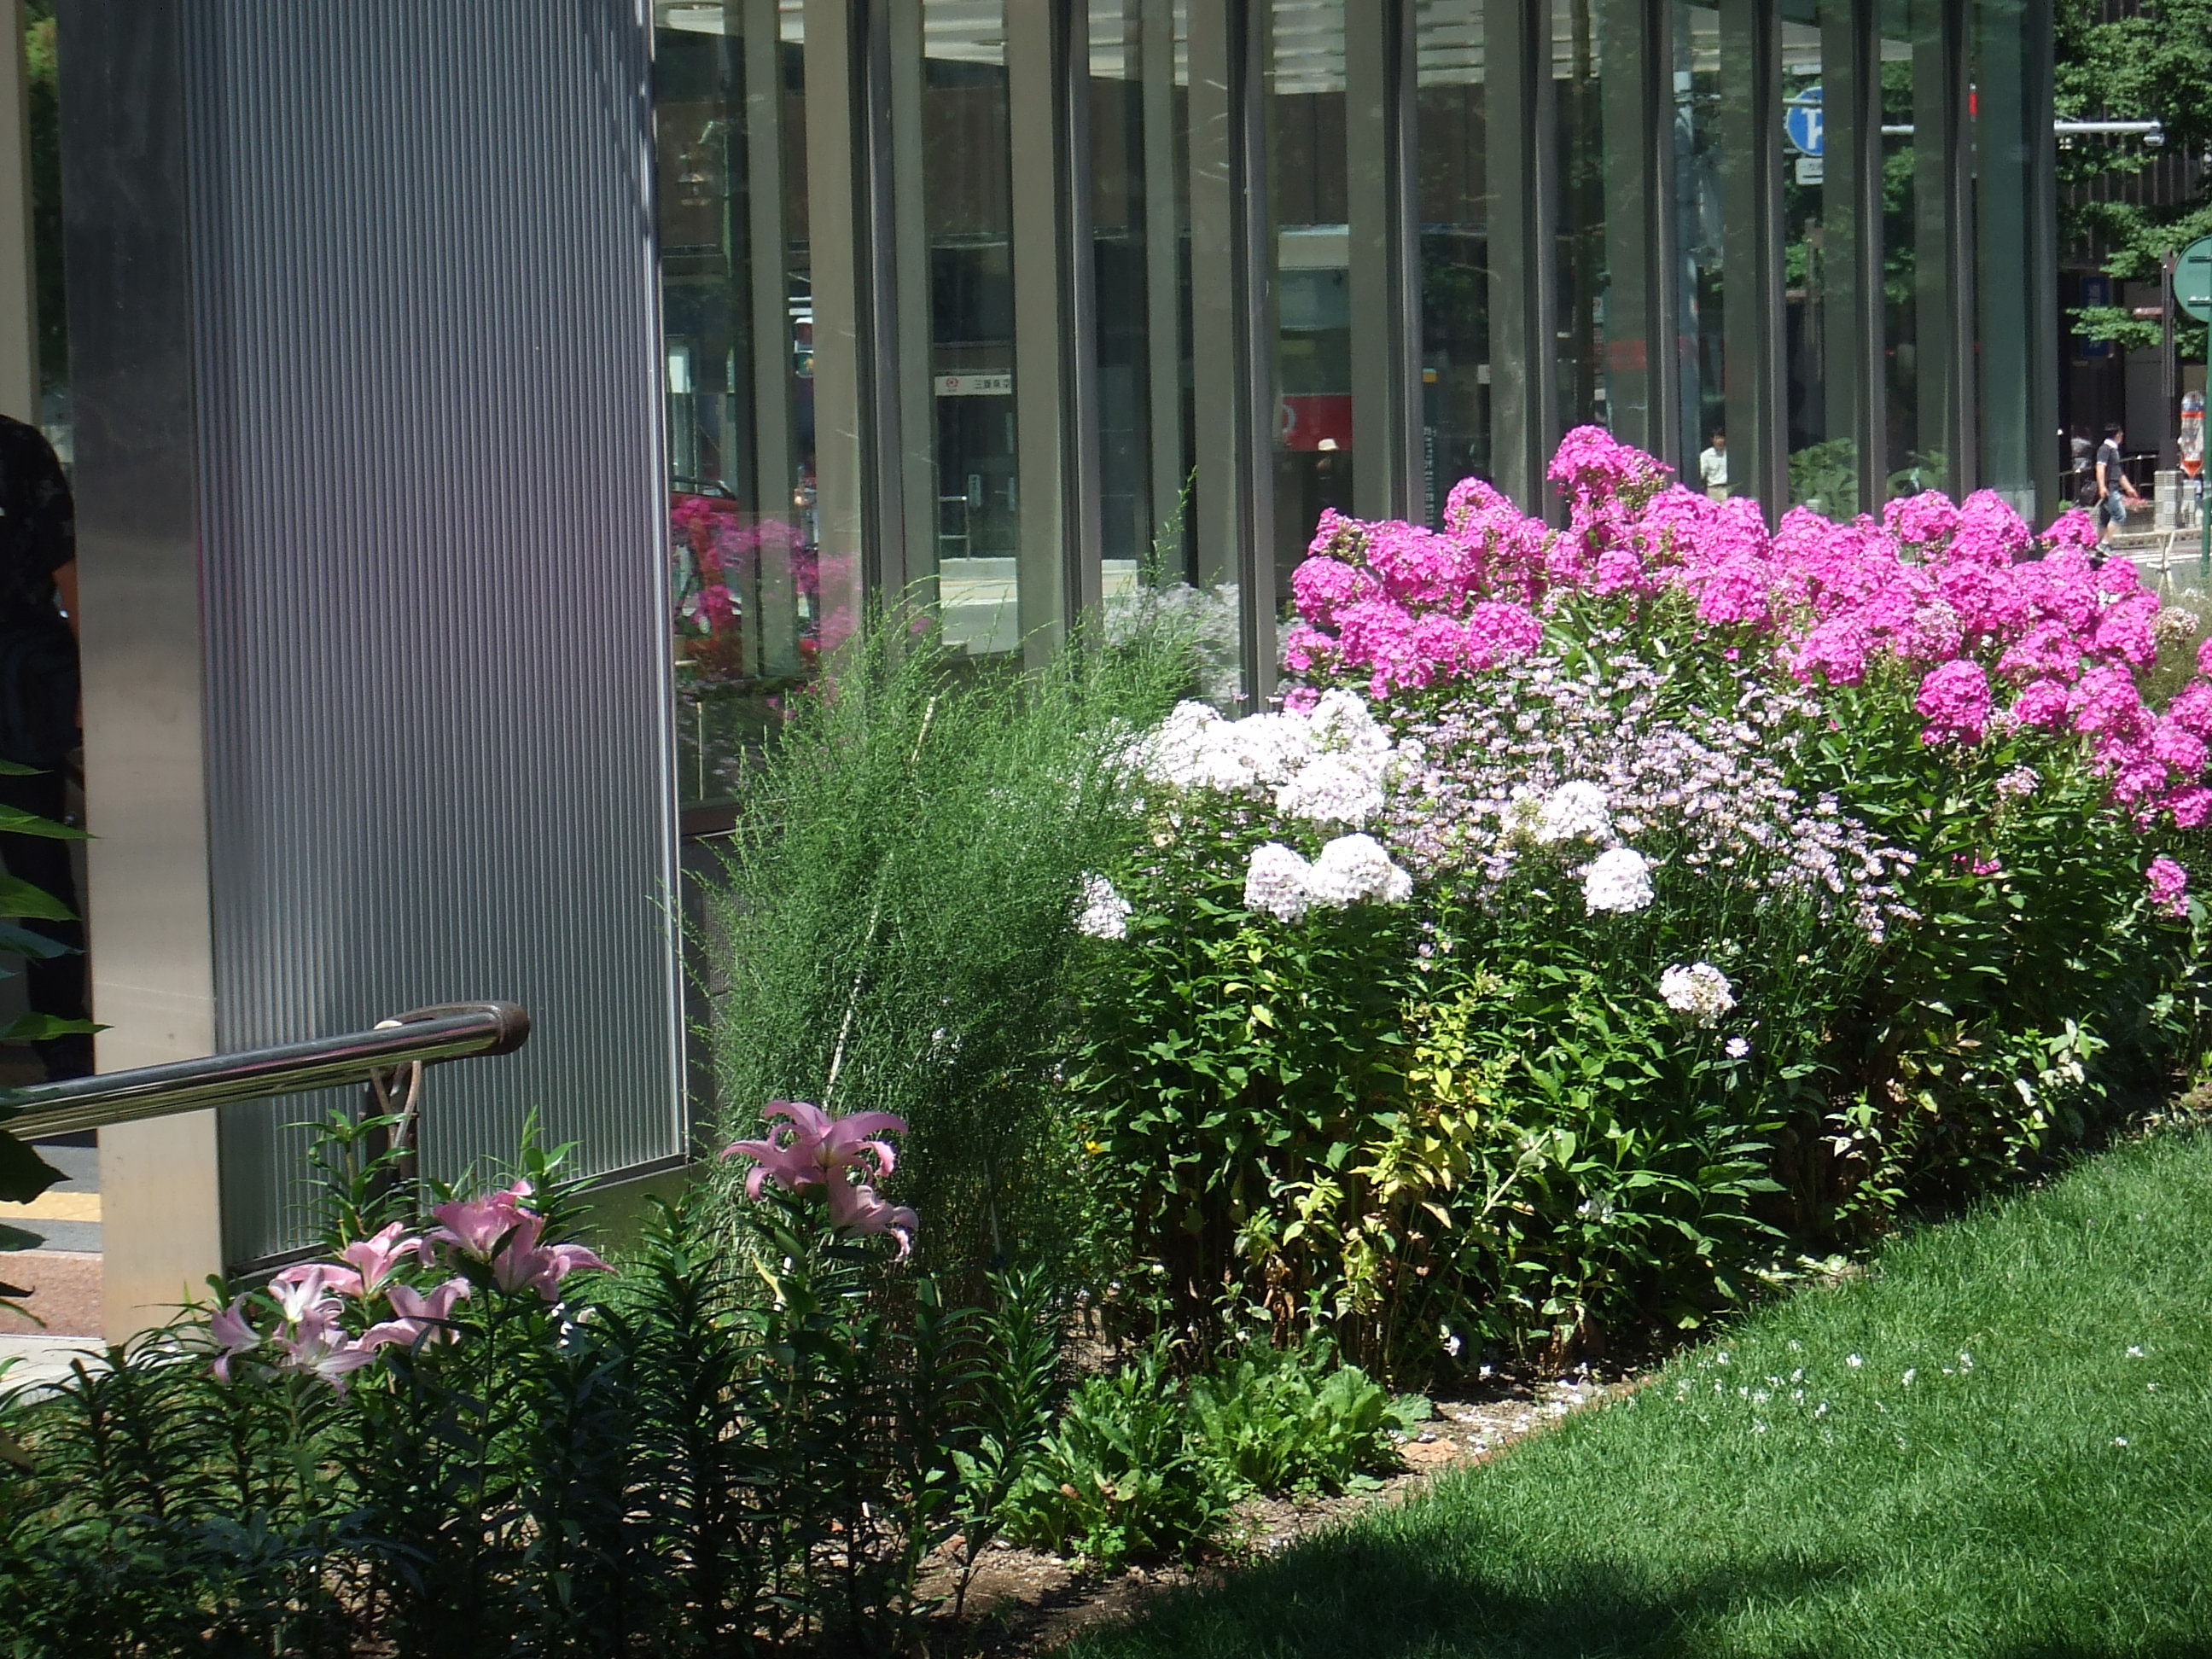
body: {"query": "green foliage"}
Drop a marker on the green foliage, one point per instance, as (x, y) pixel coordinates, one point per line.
(1292, 1420)
(1123, 1475)
(1995, 1444)
(891, 923)
(2152, 63)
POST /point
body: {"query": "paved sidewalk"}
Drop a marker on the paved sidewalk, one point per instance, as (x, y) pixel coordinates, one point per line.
(40, 1359)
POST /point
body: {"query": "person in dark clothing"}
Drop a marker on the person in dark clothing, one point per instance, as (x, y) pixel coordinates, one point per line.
(39, 694)
(2114, 491)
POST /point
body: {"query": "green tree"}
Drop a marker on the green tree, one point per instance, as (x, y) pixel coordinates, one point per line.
(2154, 64)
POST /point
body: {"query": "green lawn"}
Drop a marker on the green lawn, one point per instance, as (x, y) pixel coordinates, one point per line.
(1997, 1444)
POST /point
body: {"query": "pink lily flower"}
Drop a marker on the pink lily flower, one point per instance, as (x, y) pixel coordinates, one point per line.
(320, 1347)
(303, 1291)
(855, 1206)
(557, 1261)
(234, 1334)
(518, 1260)
(811, 1146)
(475, 1226)
(420, 1316)
(375, 1259)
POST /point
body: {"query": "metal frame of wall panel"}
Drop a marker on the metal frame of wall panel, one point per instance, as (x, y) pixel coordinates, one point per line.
(2014, 254)
(126, 197)
(1524, 302)
(1380, 168)
(1056, 395)
(1751, 240)
(1852, 316)
(1943, 269)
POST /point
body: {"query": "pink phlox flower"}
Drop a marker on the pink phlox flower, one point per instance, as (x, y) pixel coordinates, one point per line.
(1989, 532)
(1323, 588)
(2074, 529)
(2125, 630)
(855, 1207)
(2178, 748)
(1923, 521)
(1336, 537)
(1305, 648)
(1954, 701)
(1415, 566)
(2106, 701)
(2119, 578)
(1835, 650)
(2049, 648)
(1300, 700)
(2204, 657)
(2042, 705)
(2169, 886)
(2191, 808)
(2191, 707)
(376, 1259)
(234, 1333)
(1471, 500)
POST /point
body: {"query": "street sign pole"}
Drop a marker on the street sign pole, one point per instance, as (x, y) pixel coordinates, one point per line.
(2169, 369)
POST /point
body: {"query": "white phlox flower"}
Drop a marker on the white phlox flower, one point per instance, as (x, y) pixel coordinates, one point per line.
(1103, 912)
(1272, 747)
(1178, 752)
(2019, 783)
(1343, 724)
(1352, 869)
(1699, 992)
(1618, 880)
(1275, 883)
(1574, 812)
(1736, 1048)
(1331, 788)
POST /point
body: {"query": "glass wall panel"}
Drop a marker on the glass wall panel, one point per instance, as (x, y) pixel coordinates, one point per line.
(1140, 228)
(1823, 465)
(1584, 270)
(1909, 467)
(1315, 439)
(1700, 232)
(736, 321)
(1451, 141)
(968, 216)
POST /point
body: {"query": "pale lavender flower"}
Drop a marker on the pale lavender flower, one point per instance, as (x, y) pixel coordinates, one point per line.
(1275, 883)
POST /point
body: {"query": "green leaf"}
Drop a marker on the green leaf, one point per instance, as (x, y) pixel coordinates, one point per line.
(16, 769)
(22, 942)
(23, 1174)
(19, 897)
(37, 1027)
(15, 821)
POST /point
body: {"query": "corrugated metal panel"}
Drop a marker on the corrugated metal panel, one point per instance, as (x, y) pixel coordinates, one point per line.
(439, 761)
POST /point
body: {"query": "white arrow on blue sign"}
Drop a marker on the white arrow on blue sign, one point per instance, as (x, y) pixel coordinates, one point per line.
(1802, 122)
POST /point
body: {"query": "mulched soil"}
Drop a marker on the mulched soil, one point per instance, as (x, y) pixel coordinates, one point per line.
(1022, 1602)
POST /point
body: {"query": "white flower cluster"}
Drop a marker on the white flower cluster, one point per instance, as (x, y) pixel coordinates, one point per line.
(1701, 993)
(1351, 870)
(1576, 810)
(2019, 783)
(1330, 766)
(1102, 912)
(1618, 880)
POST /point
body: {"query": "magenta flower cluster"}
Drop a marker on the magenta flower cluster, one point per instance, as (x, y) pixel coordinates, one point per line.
(2002, 629)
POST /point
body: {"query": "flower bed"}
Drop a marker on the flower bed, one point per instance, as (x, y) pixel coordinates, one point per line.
(1614, 914)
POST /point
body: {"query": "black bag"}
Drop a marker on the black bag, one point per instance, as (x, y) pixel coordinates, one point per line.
(2086, 494)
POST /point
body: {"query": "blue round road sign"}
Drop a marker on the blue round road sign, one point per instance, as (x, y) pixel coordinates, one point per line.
(1800, 121)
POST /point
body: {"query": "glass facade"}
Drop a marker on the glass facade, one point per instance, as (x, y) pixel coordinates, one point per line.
(1109, 300)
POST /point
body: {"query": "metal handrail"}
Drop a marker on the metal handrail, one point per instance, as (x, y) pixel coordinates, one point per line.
(454, 1030)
